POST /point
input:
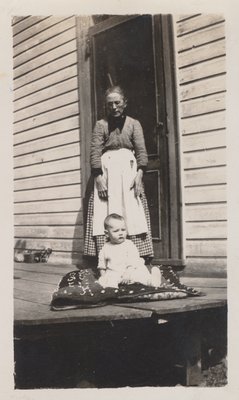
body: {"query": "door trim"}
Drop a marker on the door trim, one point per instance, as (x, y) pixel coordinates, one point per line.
(175, 218)
(110, 23)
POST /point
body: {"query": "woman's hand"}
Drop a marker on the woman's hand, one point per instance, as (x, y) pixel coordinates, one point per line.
(101, 187)
(137, 183)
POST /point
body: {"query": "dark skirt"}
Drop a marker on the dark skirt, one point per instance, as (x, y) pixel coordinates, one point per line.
(93, 244)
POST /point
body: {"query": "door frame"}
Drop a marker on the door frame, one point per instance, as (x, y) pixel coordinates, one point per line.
(170, 130)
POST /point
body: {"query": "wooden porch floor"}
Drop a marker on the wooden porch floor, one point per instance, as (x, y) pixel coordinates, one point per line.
(186, 321)
(35, 283)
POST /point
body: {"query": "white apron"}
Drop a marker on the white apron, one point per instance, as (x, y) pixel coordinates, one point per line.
(119, 169)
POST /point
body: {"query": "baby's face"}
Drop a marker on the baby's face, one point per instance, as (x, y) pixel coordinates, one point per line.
(116, 231)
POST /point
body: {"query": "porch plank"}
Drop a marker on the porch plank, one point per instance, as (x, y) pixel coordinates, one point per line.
(214, 298)
(44, 268)
(29, 313)
(33, 281)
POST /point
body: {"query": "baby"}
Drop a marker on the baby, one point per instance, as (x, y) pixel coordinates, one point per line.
(119, 260)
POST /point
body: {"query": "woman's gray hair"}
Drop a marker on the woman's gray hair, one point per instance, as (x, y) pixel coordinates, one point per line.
(115, 89)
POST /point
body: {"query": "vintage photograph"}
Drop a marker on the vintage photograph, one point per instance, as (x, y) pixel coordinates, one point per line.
(120, 200)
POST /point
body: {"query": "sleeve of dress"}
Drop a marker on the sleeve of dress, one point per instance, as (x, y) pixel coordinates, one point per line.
(102, 260)
(139, 146)
(97, 144)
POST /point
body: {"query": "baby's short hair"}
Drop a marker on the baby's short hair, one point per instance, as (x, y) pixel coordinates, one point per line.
(112, 216)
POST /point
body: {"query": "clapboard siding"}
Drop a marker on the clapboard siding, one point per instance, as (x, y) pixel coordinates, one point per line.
(68, 232)
(51, 104)
(205, 212)
(38, 99)
(65, 205)
(65, 151)
(205, 176)
(205, 194)
(205, 158)
(45, 168)
(16, 20)
(43, 48)
(56, 192)
(46, 58)
(57, 179)
(202, 53)
(214, 102)
(47, 185)
(65, 251)
(45, 118)
(207, 248)
(46, 81)
(44, 70)
(201, 76)
(43, 31)
(184, 17)
(207, 266)
(199, 141)
(56, 244)
(46, 142)
(200, 22)
(26, 23)
(204, 87)
(199, 38)
(206, 230)
(54, 219)
(64, 125)
(208, 69)
(203, 123)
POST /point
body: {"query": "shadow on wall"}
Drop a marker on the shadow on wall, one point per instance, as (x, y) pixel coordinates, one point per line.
(78, 258)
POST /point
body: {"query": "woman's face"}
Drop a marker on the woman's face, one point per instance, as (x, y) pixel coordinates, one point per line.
(115, 104)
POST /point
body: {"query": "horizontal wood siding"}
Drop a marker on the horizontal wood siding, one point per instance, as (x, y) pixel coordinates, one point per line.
(47, 167)
(201, 74)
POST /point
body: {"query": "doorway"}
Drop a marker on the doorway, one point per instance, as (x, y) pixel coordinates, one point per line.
(129, 51)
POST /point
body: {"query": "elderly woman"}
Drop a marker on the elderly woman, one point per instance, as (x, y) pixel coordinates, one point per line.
(118, 161)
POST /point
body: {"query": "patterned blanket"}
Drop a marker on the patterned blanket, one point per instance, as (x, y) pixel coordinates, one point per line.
(80, 289)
